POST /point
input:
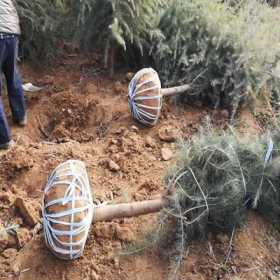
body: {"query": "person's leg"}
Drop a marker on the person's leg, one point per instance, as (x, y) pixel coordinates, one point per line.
(4, 127)
(14, 83)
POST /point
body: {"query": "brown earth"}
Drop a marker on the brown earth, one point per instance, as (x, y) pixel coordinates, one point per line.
(83, 114)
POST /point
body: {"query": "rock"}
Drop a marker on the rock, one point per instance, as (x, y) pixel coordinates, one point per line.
(4, 239)
(148, 186)
(94, 275)
(225, 114)
(114, 167)
(125, 234)
(120, 131)
(166, 154)
(23, 237)
(94, 266)
(190, 264)
(27, 211)
(118, 87)
(222, 238)
(134, 128)
(19, 221)
(91, 88)
(10, 253)
(116, 157)
(116, 262)
(150, 142)
(139, 196)
(46, 80)
(114, 142)
(7, 197)
(104, 231)
(12, 241)
(168, 134)
(16, 269)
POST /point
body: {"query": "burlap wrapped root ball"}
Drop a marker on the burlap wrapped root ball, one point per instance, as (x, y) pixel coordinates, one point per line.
(67, 210)
(144, 96)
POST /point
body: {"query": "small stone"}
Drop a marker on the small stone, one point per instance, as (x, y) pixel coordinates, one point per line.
(124, 234)
(225, 114)
(104, 231)
(166, 154)
(94, 275)
(120, 130)
(19, 221)
(94, 266)
(9, 253)
(134, 128)
(27, 211)
(116, 263)
(168, 134)
(191, 264)
(150, 142)
(7, 197)
(16, 269)
(114, 167)
(90, 88)
(4, 239)
(138, 196)
(222, 238)
(23, 237)
(114, 141)
(116, 157)
(12, 242)
(46, 80)
(118, 87)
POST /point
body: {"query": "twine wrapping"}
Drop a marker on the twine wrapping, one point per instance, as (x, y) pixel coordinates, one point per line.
(139, 95)
(65, 231)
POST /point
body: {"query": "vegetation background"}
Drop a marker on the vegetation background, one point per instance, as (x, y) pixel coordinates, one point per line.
(228, 50)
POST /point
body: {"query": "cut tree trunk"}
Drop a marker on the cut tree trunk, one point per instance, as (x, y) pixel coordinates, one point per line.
(175, 90)
(126, 210)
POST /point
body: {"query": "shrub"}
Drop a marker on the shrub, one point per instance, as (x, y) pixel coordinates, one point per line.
(40, 21)
(227, 55)
(119, 24)
(217, 179)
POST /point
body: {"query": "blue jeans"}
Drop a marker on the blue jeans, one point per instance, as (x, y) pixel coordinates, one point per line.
(8, 57)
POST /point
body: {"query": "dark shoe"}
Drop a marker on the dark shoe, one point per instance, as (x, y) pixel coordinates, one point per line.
(22, 122)
(7, 145)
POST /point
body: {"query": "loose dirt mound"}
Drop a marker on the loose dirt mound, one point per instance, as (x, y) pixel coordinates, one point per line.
(87, 118)
(78, 116)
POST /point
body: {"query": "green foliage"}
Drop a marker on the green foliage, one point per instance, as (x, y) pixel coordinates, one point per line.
(40, 21)
(227, 55)
(217, 178)
(119, 23)
(272, 3)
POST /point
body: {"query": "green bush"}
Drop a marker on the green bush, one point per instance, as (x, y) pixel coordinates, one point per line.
(218, 178)
(119, 24)
(227, 55)
(40, 21)
(104, 24)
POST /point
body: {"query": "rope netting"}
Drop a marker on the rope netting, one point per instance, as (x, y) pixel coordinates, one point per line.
(144, 96)
(67, 210)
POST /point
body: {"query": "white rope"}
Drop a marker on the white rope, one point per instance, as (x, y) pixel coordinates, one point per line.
(135, 98)
(71, 174)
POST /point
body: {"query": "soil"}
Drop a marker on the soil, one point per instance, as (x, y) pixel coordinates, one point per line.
(82, 113)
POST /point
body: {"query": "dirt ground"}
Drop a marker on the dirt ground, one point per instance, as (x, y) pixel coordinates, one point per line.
(83, 114)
